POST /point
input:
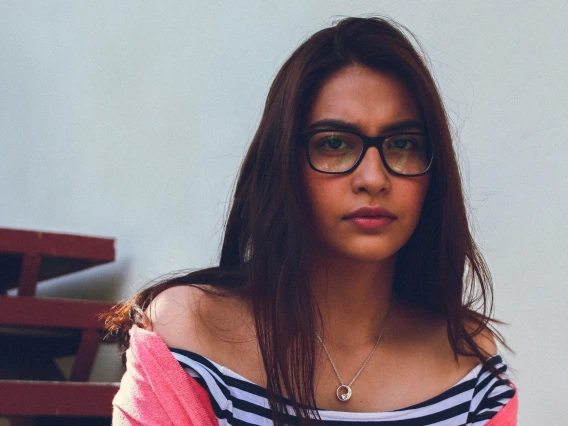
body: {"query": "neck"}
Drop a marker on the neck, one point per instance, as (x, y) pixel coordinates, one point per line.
(353, 297)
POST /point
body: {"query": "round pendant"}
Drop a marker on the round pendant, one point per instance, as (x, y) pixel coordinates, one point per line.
(345, 395)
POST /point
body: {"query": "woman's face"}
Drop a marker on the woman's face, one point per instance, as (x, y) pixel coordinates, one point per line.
(376, 104)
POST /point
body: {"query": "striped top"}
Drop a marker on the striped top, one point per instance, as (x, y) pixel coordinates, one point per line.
(237, 401)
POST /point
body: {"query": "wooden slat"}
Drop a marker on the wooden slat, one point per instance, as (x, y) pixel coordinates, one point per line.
(52, 312)
(28, 398)
(56, 244)
(27, 257)
(44, 315)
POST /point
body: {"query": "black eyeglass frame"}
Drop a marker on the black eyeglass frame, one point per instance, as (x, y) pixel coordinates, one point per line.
(368, 141)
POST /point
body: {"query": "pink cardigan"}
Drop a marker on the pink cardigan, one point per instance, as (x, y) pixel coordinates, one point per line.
(156, 391)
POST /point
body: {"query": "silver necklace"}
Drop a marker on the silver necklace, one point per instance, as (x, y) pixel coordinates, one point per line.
(344, 391)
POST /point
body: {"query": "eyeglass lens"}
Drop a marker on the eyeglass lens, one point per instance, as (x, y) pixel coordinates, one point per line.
(406, 154)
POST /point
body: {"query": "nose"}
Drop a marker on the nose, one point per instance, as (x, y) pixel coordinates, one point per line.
(371, 175)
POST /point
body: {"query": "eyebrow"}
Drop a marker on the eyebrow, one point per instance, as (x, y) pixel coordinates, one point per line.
(350, 127)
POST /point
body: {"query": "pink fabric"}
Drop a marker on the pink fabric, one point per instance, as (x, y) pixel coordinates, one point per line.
(507, 416)
(156, 391)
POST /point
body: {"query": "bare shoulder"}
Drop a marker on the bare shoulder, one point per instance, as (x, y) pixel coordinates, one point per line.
(428, 334)
(484, 339)
(434, 329)
(172, 314)
(194, 318)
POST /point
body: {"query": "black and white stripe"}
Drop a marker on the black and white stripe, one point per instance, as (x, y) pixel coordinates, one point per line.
(238, 402)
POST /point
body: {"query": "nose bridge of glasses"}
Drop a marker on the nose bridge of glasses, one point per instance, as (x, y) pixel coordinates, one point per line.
(368, 144)
(376, 141)
(373, 142)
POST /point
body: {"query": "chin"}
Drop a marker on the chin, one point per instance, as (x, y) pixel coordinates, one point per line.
(374, 257)
(365, 250)
(373, 250)
(368, 254)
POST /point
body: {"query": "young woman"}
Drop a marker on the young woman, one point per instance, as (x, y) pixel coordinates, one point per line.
(349, 287)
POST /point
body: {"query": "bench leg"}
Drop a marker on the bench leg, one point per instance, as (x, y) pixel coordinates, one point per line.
(28, 274)
(86, 354)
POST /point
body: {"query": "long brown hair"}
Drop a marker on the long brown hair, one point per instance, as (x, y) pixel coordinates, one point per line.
(266, 244)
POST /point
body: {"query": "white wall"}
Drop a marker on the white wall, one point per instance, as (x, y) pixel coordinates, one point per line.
(129, 119)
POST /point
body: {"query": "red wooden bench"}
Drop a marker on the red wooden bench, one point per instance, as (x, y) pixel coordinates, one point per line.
(33, 330)
(28, 257)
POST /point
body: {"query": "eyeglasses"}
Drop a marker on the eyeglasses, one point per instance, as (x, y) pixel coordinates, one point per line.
(332, 151)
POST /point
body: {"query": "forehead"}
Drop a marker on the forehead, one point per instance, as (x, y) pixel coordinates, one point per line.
(368, 99)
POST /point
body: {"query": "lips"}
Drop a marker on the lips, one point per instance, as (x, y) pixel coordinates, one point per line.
(370, 219)
(370, 213)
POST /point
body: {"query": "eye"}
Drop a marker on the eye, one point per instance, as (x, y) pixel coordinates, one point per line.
(332, 142)
(401, 143)
(405, 143)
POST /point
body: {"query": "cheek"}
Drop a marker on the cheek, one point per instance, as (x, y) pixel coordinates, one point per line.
(321, 195)
(424, 186)
(313, 191)
(417, 195)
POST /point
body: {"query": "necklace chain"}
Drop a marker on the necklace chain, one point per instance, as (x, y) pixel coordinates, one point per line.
(345, 396)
